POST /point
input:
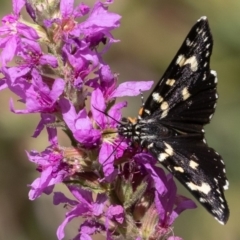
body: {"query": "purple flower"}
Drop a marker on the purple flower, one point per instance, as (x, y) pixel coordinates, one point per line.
(52, 169)
(166, 205)
(32, 55)
(13, 28)
(66, 23)
(85, 206)
(98, 26)
(38, 97)
(80, 124)
(170, 205)
(56, 165)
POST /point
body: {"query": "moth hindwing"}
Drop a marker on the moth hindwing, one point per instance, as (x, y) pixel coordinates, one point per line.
(171, 123)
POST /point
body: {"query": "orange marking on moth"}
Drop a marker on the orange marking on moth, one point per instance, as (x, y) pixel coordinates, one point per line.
(132, 120)
(140, 113)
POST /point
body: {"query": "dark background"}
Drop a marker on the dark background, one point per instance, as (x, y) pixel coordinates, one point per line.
(151, 33)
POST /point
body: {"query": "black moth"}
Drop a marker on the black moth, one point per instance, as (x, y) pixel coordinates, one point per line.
(171, 122)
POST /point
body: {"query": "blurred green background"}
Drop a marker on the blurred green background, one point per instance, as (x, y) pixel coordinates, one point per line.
(151, 33)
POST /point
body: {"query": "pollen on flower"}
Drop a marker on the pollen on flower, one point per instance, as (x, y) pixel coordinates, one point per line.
(109, 135)
(75, 158)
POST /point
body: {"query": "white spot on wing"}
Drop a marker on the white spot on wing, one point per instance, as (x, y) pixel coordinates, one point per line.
(164, 105)
(150, 145)
(219, 221)
(193, 63)
(202, 200)
(188, 42)
(157, 97)
(225, 187)
(214, 73)
(193, 164)
(185, 93)
(147, 111)
(162, 156)
(170, 82)
(164, 113)
(202, 18)
(205, 39)
(221, 199)
(179, 169)
(168, 149)
(204, 77)
(180, 60)
(204, 188)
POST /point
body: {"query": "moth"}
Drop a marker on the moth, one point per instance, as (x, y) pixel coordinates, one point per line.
(171, 122)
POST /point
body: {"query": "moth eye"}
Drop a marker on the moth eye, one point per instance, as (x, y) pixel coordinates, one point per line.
(125, 120)
(164, 131)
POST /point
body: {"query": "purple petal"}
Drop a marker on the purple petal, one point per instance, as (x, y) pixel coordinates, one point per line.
(39, 184)
(89, 228)
(174, 238)
(59, 198)
(88, 137)
(68, 112)
(97, 107)
(81, 10)
(184, 204)
(82, 121)
(72, 214)
(3, 84)
(157, 174)
(116, 213)
(106, 158)
(17, 6)
(27, 31)
(115, 113)
(57, 89)
(81, 195)
(66, 8)
(132, 88)
(171, 194)
(49, 60)
(106, 74)
(9, 51)
(39, 128)
(98, 206)
(100, 18)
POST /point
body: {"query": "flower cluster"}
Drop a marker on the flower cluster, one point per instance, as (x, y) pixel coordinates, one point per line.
(60, 73)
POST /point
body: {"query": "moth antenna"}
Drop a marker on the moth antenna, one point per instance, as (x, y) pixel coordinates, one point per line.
(120, 123)
(114, 150)
(142, 97)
